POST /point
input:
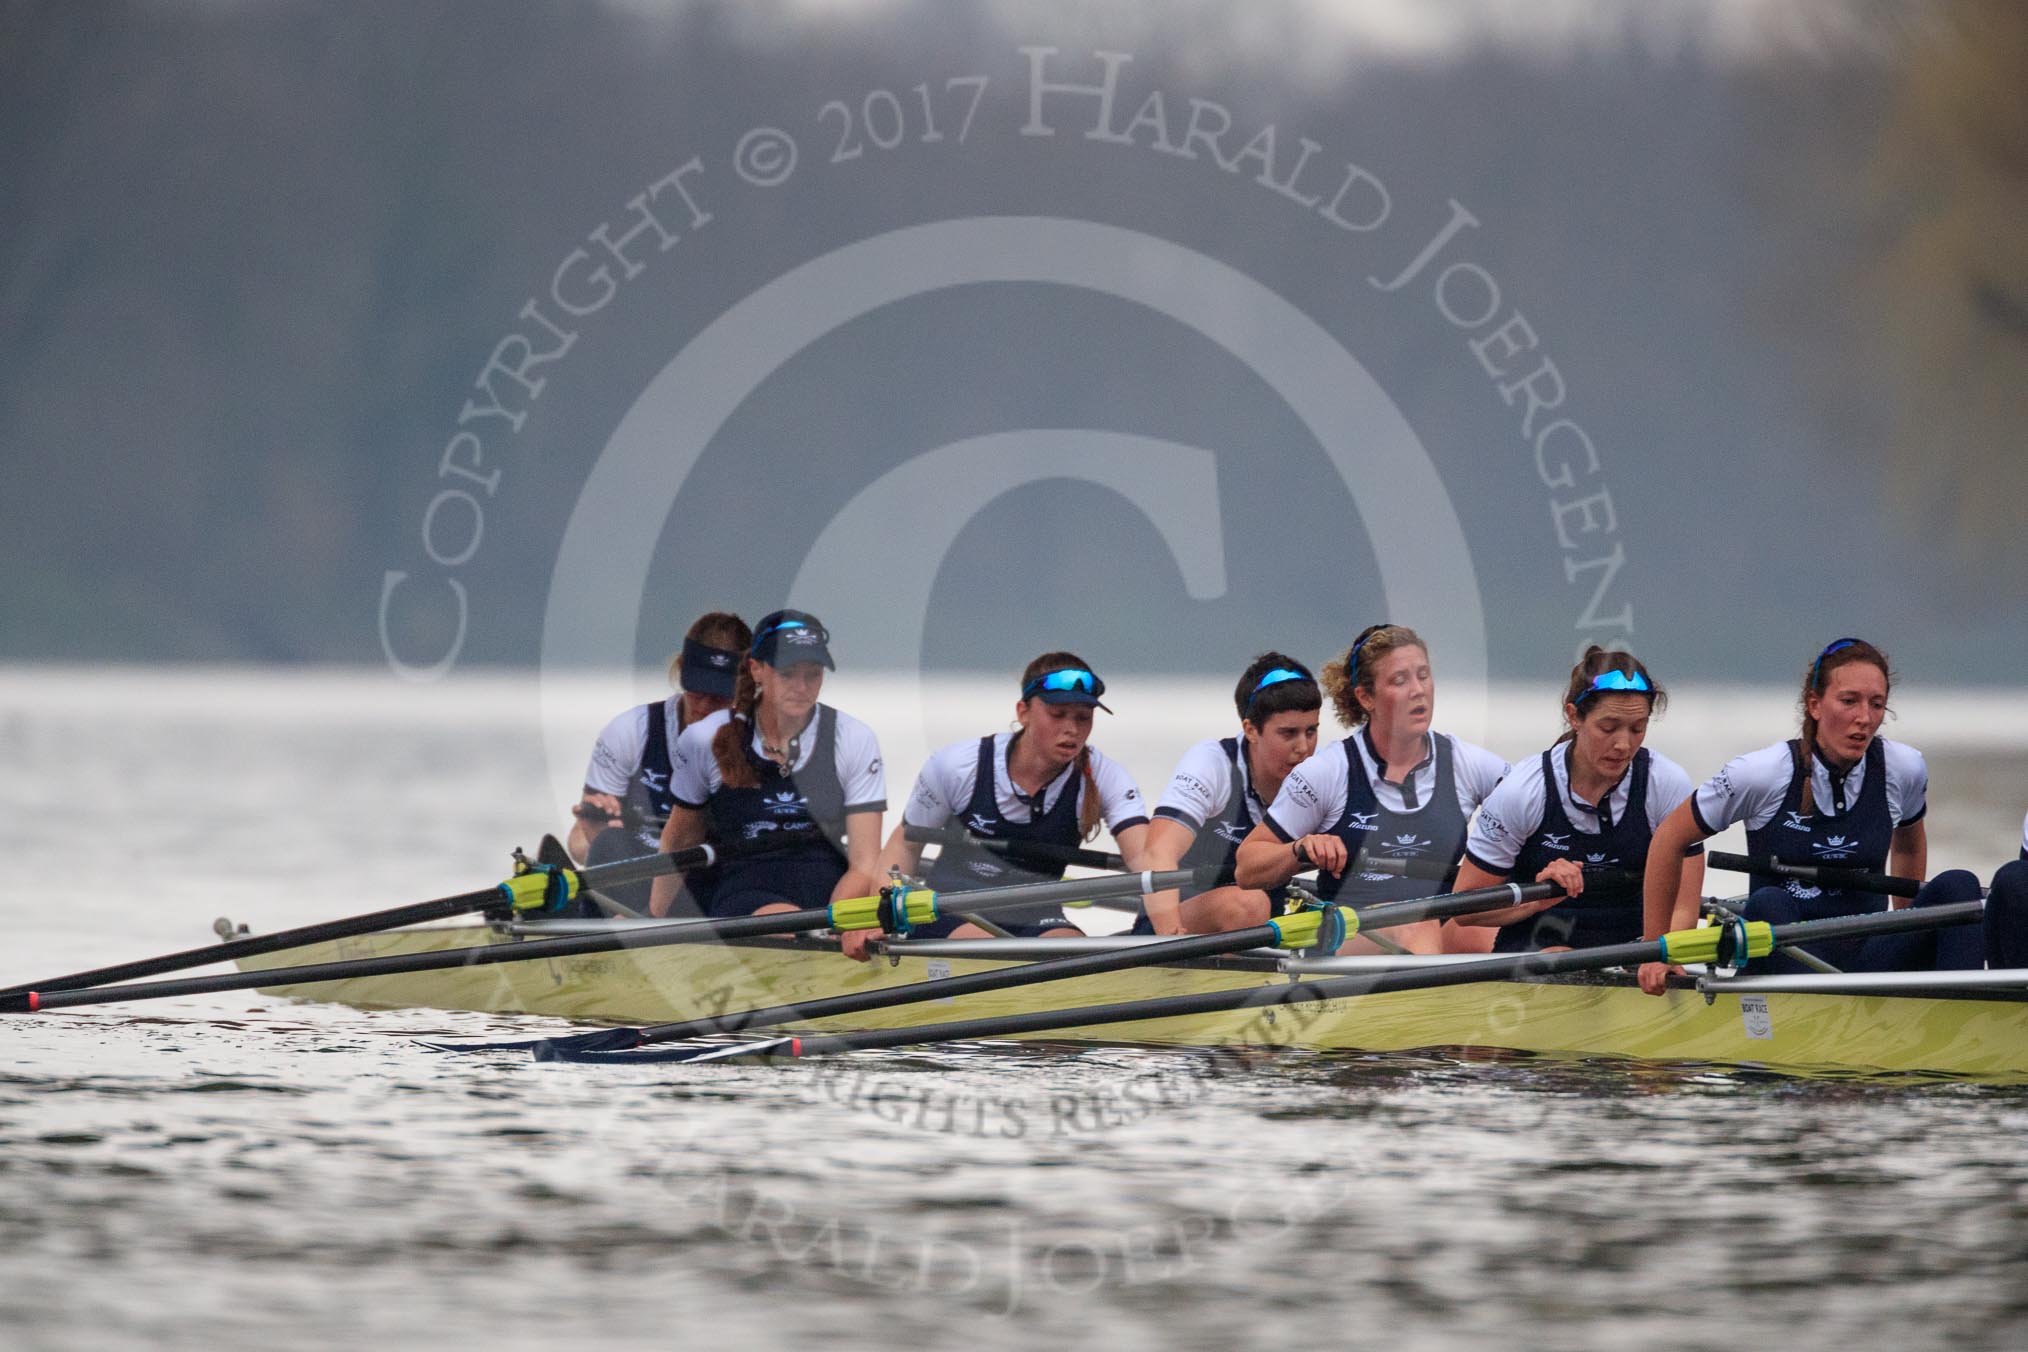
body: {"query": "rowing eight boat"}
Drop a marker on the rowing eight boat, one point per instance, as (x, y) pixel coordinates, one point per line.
(1792, 1026)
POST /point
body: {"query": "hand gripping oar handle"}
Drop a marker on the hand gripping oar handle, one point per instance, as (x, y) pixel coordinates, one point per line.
(464, 903)
(1822, 875)
(915, 907)
(1017, 851)
(1696, 945)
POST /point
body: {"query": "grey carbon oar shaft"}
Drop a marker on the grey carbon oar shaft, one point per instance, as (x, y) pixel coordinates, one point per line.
(618, 872)
(705, 931)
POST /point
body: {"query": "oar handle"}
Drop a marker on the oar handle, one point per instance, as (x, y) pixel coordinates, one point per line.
(948, 836)
(1426, 869)
(1823, 875)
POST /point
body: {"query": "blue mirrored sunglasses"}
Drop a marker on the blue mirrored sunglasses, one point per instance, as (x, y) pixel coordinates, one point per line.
(1070, 678)
(1609, 682)
(1817, 667)
(823, 636)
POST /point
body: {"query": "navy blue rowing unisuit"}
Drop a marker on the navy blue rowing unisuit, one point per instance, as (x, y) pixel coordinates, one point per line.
(1858, 834)
(1433, 833)
(797, 817)
(964, 867)
(644, 810)
(1604, 913)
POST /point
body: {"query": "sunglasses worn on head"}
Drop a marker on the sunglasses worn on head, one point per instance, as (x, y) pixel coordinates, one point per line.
(783, 626)
(1070, 678)
(1611, 682)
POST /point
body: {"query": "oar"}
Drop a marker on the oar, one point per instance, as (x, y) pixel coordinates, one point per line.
(895, 910)
(1016, 851)
(1714, 943)
(1303, 929)
(1819, 875)
(538, 888)
(1426, 869)
(1020, 852)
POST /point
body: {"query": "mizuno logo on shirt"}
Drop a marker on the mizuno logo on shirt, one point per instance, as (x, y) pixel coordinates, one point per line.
(1558, 843)
(1362, 821)
(980, 823)
(1794, 821)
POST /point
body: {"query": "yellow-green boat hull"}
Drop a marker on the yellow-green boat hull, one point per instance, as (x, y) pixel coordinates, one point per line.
(1799, 1033)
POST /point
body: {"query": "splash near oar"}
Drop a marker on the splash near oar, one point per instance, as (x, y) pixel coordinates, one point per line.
(895, 910)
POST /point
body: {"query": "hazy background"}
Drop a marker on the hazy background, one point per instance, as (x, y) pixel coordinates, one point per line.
(254, 256)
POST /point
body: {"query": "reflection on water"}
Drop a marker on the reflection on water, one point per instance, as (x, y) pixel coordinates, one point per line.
(233, 1172)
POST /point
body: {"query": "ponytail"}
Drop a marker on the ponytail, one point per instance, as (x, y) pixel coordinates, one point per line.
(1089, 809)
(728, 746)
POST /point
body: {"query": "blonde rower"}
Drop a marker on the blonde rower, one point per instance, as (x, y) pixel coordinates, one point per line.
(1392, 790)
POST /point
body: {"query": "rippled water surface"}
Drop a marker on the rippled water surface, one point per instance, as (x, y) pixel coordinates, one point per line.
(236, 1172)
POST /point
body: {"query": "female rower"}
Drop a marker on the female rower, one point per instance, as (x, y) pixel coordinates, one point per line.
(1590, 801)
(1041, 785)
(1221, 790)
(794, 780)
(626, 786)
(1838, 795)
(1393, 790)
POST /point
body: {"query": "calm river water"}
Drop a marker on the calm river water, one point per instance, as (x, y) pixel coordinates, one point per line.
(237, 1172)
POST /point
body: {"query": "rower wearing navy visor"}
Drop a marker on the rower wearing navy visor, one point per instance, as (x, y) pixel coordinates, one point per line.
(1042, 783)
(626, 786)
(780, 772)
(1392, 790)
(1220, 791)
(1590, 801)
(1839, 794)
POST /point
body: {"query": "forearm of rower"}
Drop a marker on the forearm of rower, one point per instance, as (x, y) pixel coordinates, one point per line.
(899, 853)
(1908, 857)
(1263, 861)
(862, 853)
(684, 829)
(1664, 899)
(1471, 878)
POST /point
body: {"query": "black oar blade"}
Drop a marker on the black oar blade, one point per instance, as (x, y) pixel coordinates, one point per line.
(606, 1039)
(770, 1050)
